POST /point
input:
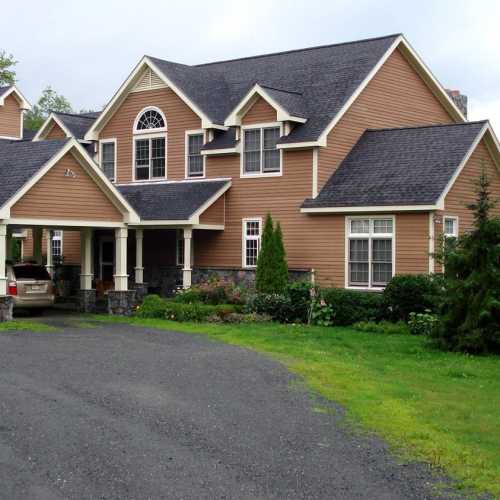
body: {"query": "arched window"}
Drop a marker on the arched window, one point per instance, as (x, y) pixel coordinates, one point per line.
(150, 145)
(150, 119)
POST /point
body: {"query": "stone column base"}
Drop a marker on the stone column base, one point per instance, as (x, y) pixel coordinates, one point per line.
(6, 307)
(141, 290)
(87, 300)
(121, 303)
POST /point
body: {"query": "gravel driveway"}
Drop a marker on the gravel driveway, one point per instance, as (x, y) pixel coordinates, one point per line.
(121, 412)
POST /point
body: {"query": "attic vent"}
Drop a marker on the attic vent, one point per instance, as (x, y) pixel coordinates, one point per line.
(148, 81)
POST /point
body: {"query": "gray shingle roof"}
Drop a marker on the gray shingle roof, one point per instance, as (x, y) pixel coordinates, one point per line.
(292, 101)
(78, 124)
(170, 201)
(4, 89)
(406, 166)
(315, 82)
(20, 160)
(222, 140)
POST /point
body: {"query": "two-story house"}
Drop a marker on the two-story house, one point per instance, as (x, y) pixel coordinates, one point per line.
(355, 148)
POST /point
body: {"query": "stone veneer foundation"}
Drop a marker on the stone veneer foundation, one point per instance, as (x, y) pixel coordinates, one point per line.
(87, 301)
(121, 303)
(6, 307)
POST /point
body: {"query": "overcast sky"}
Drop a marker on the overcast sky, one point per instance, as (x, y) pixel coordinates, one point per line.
(85, 49)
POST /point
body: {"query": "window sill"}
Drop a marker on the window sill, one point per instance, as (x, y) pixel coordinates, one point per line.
(253, 176)
(366, 288)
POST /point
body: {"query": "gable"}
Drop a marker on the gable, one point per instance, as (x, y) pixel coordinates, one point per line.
(215, 213)
(259, 112)
(463, 191)
(396, 97)
(66, 192)
(55, 132)
(10, 118)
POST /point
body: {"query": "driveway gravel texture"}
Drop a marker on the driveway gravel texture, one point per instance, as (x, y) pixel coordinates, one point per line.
(123, 412)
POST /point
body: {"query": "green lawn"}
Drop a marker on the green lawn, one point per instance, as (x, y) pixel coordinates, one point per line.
(439, 407)
(24, 324)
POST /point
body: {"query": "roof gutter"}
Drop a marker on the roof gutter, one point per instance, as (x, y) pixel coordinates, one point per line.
(374, 209)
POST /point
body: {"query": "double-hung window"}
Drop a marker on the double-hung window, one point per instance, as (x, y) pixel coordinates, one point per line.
(260, 154)
(370, 251)
(150, 145)
(56, 243)
(251, 241)
(108, 158)
(195, 161)
(450, 227)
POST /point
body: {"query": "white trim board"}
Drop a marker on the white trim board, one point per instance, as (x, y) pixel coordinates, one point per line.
(25, 105)
(45, 128)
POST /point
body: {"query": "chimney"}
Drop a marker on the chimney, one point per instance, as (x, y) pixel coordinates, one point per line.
(459, 99)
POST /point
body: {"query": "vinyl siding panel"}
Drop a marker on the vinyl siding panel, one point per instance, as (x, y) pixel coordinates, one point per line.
(71, 246)
(56, 132)
(56, 196)
(10, 118)
(259, 112)
(215, 213)
(396, 97)
(179, 119)
(412, 243)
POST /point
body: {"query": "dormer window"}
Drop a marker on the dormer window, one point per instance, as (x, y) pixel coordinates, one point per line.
(260, 154)
(150, 145)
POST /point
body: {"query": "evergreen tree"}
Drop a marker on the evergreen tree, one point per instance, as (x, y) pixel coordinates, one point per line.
(264, 275)
(281, 266)
(471, 309)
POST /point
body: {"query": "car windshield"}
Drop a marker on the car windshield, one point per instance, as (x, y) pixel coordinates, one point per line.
(31, 273)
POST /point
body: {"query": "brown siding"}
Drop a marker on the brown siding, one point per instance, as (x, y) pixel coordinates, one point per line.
(396, 97)
(463, 190)
(215, 213)
(56, 132)
(179, 119)
(412, 243)
(260, 112)
(10, 118)
(71, 246)
(56, 196)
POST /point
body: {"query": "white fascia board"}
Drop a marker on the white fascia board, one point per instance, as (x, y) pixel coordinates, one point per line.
(163, 223)
(301, 145)
(392, 208)
(47, 127)
(25, 105)
(211, 200)
(62, 223)
(464, 161)
(234, 118)
(126, 86)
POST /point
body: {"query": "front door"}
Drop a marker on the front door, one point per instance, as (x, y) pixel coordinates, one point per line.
(106, 263)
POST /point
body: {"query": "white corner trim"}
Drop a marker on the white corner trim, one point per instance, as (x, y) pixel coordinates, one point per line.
(382, 209)
(315, 172)
(48, 125)
(236, 115)
(432, 239)
(25, 105)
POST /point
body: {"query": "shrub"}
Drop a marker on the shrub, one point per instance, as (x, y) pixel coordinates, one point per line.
(214, 291)
(321, 311)
(299, 293)
(272, 271)
(153, 306)
(385, 327)
(275, 305)
(471, 309)
(352, 306)
(407, 293)
(239, 318)
(422, 323)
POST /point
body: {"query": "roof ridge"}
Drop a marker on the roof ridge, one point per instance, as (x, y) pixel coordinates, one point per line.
(436, 125)
(316, 47)
(79, 115)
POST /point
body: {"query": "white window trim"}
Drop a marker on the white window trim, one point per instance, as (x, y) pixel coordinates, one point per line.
(242, 154)
(60, 238)
(369, 235)
(108, 141)
(244, 239)
(186, 154)
(455, 219)
(151, 130)
(152, 135)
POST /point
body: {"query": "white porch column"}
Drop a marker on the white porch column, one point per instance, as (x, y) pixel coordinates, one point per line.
(186, 271)
(3, 254)
(37, 244)
(86, 259)
(139, 269)
(121, 276)
(50, 258)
